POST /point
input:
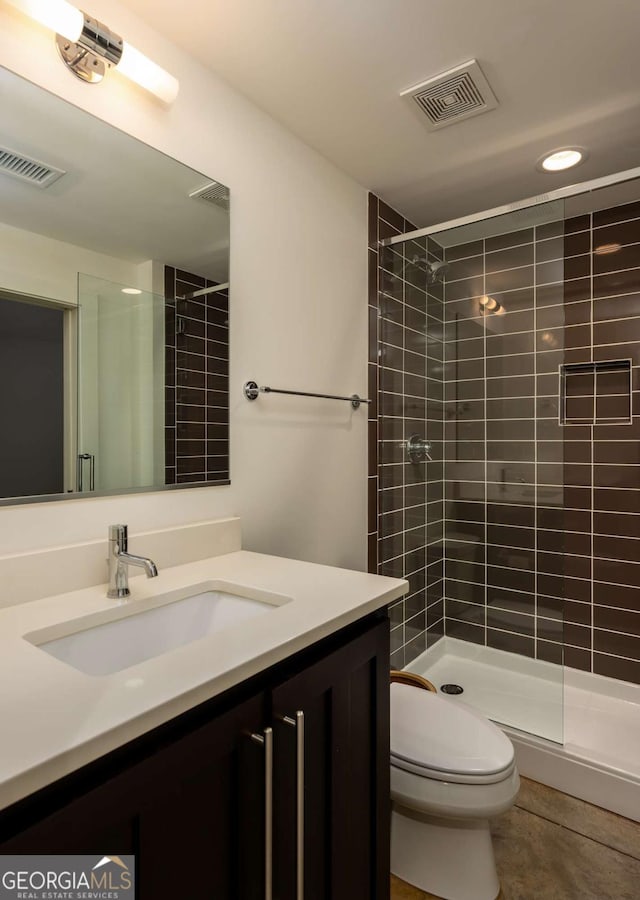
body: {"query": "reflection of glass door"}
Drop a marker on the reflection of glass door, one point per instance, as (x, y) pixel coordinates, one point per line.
(121, 387)
(36, 379)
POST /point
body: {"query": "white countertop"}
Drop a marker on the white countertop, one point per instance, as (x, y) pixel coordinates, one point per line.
(55, 719)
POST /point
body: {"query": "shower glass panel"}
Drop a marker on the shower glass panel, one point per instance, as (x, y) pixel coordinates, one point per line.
(476, 322)
(121, 387)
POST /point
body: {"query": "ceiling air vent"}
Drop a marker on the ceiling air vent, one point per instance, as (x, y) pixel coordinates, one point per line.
(213, 192)
(34, 171)
(453, 96)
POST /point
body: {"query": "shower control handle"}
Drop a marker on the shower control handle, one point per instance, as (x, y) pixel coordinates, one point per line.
(418, 448)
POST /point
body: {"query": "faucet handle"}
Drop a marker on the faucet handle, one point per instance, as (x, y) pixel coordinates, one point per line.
(418, 448)
(120, 535)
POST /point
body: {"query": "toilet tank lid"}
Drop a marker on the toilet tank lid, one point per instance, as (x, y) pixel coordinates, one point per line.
(437, 733)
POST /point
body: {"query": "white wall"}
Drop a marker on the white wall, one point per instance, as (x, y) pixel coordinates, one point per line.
(34, 264)
(298, 300)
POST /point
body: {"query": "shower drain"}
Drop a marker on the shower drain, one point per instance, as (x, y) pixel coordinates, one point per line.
(451, 689)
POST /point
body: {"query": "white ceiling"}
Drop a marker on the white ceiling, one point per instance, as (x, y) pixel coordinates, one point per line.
(564, 72)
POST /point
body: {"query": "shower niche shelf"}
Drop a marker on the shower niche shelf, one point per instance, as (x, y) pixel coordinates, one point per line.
(596, 393)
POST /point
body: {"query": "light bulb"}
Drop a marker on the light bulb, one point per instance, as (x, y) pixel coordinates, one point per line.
(147, 74)
(58, 15)
(561, 160)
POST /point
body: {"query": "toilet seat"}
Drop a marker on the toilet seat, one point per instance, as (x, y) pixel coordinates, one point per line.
(443, 740)
(452, 777)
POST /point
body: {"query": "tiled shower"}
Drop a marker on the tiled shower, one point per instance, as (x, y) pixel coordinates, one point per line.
(524, 375)
(406, 368)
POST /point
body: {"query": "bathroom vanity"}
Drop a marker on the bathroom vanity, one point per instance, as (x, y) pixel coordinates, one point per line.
(257, 755)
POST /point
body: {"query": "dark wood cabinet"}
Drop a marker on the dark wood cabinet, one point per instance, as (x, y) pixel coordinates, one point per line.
(178, 810)
(190, 798)
(344, 698)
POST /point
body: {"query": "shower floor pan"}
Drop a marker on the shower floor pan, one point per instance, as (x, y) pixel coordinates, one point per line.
(598, 719)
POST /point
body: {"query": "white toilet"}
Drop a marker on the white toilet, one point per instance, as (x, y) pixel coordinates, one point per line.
(451, 770)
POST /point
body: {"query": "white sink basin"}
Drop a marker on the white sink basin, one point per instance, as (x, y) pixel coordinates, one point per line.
(173, 621)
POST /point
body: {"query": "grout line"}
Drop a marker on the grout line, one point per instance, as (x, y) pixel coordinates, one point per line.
(534, 265)
(486, 454)
(535, 446)
(592, 441)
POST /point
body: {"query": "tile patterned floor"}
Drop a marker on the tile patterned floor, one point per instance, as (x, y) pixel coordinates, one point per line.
(553, 847)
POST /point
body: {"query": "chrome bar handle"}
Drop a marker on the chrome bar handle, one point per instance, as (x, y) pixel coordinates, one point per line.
(298, 724)
(82, 458)
(266, 740)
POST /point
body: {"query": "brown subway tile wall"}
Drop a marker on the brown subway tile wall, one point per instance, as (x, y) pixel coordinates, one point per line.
(542, 520)
(197, 381)
(406, 358)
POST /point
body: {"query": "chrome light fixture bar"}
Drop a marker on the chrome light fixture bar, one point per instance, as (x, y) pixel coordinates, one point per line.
(96, 48)
(89, 48)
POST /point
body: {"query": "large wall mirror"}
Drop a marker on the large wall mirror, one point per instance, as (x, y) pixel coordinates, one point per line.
(114, 308)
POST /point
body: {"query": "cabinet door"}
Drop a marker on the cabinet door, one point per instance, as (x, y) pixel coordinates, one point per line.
(192, 813)
(345, 701)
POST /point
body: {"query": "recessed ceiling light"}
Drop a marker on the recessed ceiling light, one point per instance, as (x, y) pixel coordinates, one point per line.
(560, 160)
(131, 291)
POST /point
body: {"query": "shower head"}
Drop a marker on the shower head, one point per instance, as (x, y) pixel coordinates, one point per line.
(436, 271)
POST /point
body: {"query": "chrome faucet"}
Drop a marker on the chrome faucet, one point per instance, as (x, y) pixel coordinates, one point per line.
(120, 559)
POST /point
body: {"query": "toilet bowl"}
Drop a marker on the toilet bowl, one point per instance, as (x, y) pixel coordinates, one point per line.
(451, 771)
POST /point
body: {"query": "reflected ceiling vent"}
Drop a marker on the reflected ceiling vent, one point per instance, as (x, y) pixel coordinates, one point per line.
(453, 96)
(213, 192)
(34, 171)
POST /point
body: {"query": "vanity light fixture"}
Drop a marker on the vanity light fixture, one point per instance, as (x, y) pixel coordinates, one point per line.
(559, 160)
(130, 291)
(88, 47)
